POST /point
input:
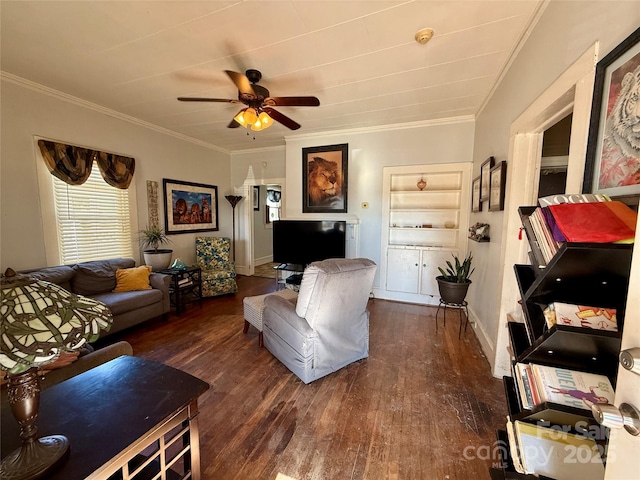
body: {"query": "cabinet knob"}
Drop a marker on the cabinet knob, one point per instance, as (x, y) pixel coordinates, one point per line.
(630, 359)
(416, 264)
(627, 416)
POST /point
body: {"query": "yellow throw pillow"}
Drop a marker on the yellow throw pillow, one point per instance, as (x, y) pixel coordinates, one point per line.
(132, 279)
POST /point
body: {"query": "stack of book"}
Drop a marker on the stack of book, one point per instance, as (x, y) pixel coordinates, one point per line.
(592, 218)
(537, 384)
(184, 282)
(554, 453)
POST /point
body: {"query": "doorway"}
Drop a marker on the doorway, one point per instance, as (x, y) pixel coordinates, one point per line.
(268, 210)
(571, 92)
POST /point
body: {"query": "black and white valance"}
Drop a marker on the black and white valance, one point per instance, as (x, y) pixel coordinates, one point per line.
(73, 164)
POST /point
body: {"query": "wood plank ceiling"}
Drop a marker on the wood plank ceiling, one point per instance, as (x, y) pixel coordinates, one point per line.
(358, 57)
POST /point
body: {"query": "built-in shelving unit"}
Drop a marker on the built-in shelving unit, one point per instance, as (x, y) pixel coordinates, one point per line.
(422, 227)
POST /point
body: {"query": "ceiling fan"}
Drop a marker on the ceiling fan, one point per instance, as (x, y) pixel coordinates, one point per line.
(259, 112)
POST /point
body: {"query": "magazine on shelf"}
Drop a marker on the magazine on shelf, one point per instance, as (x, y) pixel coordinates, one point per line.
(572, 198)
(597, 222)
(598, 318)
(570, 387)
(553, 453)
(513, 447)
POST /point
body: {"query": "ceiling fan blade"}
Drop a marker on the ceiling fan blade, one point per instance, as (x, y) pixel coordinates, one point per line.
(200, 99)
(292, 101)
(233, 124)
(242, 82)
(283, 119)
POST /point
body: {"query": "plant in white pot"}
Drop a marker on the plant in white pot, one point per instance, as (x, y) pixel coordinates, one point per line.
(152, 237)
(454, 282)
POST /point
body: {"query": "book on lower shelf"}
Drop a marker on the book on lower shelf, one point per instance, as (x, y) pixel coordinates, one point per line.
(540, 450)
(571, 387)
(540, 383)
(185, 282)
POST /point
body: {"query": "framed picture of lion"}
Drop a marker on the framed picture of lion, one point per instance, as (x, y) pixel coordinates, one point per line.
(613, 150)
(189, 207)
(324, 179)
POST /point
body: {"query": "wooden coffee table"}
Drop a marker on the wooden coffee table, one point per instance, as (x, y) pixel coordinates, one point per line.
(128, 417)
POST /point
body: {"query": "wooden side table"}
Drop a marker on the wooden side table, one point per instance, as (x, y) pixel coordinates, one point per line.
(185, 286)
(127, 418)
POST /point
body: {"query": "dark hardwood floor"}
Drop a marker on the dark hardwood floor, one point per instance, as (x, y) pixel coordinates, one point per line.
(422, 406)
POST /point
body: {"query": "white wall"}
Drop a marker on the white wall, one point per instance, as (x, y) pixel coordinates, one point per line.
(422, 143)
(248, 168)
(27, 112)
(564, 32)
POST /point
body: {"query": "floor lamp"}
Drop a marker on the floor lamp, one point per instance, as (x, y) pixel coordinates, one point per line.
(233, 200)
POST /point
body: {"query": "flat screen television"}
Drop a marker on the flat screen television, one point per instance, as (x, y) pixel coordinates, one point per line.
(304, 241)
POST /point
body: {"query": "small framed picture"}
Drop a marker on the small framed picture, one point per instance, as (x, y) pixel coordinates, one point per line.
(476, 204)
(256, 198)
(485, 168)
(497, 180)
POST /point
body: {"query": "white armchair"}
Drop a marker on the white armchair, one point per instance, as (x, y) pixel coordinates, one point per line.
(328, 327)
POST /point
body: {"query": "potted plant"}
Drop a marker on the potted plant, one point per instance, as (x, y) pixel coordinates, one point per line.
(151, 238)
(454, 281)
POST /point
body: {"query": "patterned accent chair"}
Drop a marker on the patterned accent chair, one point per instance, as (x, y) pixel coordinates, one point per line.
(218, 270)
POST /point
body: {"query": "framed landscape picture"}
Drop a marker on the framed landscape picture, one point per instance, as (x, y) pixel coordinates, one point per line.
(189, 207)
(613, 150)
(476, 204)
(497, 181)
(324, 179)
(485, 168)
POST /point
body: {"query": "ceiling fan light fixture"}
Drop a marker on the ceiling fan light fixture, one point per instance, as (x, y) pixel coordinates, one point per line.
(240, 118)
(265, 119)
(250, 116)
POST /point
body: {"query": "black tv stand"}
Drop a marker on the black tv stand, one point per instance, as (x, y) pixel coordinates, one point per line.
(289, 267)
(295, 279)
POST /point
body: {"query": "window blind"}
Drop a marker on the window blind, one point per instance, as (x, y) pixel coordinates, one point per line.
(92, 219)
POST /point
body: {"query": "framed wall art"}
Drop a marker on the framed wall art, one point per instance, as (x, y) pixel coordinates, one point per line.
(324, 179)
(476, 204)
(189, 207)
(256, 198)
(497, 182)
(485, 168)
(613, 151)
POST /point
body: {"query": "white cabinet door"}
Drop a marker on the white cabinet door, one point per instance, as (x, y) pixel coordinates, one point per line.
(431, 260)
(403, 272)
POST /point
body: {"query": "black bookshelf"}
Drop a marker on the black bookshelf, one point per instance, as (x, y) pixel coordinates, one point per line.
(579, 419)
(579, 273)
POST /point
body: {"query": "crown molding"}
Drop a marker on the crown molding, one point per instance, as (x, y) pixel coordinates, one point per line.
(23, 82)
(384, 128)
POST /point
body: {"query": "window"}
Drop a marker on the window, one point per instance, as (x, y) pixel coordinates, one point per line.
(92, 220)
